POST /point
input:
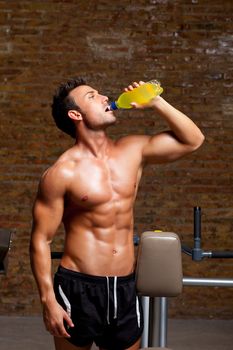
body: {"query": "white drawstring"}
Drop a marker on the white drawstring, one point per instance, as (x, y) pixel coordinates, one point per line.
(114, 298)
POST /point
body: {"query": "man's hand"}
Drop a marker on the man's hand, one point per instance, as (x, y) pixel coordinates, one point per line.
(135, 105)
(54, 316)
(133, 86)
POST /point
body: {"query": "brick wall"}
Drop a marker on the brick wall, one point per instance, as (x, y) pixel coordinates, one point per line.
(185, 44)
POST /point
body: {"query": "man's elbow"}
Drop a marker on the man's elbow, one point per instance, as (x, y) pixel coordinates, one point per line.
(198, 141)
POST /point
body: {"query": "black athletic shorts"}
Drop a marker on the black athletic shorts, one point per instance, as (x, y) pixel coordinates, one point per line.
(104, 310)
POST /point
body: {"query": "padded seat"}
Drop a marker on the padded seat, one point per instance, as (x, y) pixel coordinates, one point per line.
(159, 267)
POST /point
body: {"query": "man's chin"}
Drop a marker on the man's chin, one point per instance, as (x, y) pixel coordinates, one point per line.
(111, 120)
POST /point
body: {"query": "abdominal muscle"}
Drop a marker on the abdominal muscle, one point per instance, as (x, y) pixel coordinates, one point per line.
(99, 251)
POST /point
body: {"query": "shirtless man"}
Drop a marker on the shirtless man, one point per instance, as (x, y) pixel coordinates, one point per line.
(91, 188)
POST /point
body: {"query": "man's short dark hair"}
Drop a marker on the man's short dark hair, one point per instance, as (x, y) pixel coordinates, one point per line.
(62, 103)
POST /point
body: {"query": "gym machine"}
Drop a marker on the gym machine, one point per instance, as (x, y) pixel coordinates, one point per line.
(5, 241)
(155, 300)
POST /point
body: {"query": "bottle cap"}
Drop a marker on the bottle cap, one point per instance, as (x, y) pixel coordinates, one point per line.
(113, 106)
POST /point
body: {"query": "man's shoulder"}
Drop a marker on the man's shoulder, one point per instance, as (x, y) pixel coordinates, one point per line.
(60, 171)
(132, 140)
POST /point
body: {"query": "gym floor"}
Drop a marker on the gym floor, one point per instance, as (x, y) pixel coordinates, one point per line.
(28, 333)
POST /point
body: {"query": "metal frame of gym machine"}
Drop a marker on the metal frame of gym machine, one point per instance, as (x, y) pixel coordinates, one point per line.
(156, 309)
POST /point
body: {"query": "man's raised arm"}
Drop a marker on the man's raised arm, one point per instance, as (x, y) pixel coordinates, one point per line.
(183, 137)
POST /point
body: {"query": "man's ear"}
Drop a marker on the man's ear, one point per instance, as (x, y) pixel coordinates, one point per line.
(75, 115)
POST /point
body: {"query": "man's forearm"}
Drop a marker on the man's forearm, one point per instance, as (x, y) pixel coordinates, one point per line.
(40, 256)
(183, 127)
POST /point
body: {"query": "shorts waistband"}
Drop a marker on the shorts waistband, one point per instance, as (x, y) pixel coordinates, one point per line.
(94, 278)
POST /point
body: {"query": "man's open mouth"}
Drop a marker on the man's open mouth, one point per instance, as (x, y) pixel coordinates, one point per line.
(108, 109)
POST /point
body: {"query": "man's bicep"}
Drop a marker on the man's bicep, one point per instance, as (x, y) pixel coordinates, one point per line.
(163, 147)
(49, 204)
(47, 217)
(47, 211)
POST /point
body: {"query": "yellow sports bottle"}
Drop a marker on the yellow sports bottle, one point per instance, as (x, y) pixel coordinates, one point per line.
(141, 95)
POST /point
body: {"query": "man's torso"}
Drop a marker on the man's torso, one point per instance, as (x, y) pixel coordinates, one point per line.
(98, 210)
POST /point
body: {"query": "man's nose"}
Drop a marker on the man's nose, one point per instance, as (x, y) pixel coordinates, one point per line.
(104, 98)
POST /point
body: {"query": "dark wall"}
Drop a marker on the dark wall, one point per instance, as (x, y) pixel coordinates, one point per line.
(187, 45)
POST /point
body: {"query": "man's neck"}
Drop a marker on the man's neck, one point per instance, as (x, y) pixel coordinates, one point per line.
(96, 143)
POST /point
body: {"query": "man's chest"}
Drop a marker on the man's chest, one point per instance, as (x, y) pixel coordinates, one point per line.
(97, 182)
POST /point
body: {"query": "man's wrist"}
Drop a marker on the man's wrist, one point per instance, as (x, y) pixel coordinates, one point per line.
(157, 102)
(47, 298)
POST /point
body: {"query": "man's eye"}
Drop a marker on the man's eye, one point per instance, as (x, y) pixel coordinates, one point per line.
(91, 96)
